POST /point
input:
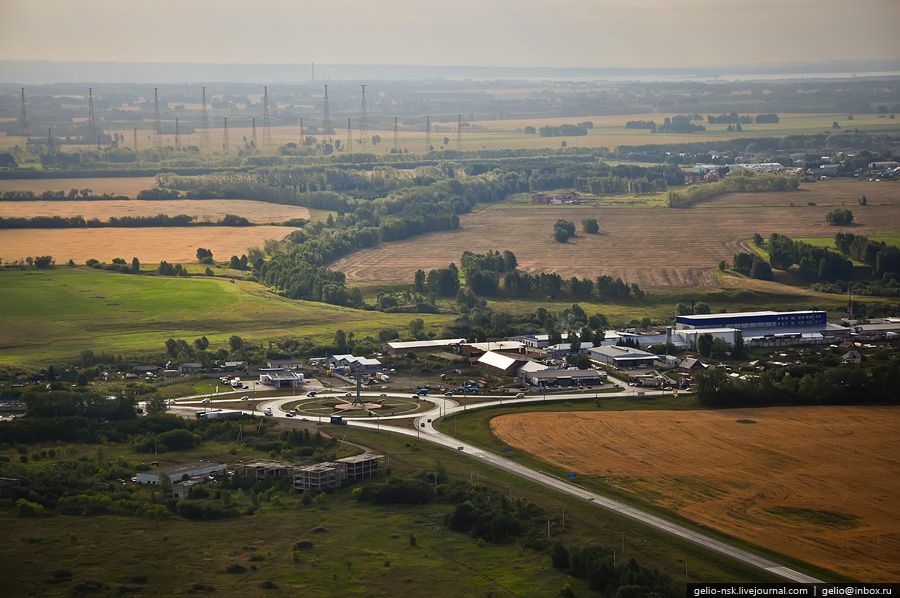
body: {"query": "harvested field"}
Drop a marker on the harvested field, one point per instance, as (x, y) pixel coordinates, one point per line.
(148, 244)
(205, 210)
(815, 483)
(128, 186)
(658, 248)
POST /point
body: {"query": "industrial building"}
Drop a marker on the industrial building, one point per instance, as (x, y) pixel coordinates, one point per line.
(622, 358)
(180, 473)
(505, 365)
(355, 364)
(424, 346)
(264, 470)
(768, 327)
(360, 467)
(477, 349)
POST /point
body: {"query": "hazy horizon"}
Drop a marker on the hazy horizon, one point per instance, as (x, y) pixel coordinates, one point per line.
(525, 33)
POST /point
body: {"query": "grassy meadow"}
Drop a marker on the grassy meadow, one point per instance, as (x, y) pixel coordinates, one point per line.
(55, 314)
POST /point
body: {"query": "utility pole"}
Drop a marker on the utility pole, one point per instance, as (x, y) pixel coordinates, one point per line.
(253, 131)
(427, 134)
(396, 137)
(302, 137)
(326, 126)
(363, 124)
(349, 148)
(225, 137)
(23, 119)
(267, 133)
(49, 141)
(93, 136)
(204, 121)
(156, 114)
(177, 134)
(134, 139)
(459, 132)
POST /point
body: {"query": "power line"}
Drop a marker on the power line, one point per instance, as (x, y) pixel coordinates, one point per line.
(267, 134)
(23, 117)
(363, 124)
(349, 147)
(93, 136)
(225, 137)
(396, 137)
(156, 111)
(204, 121)
(325, 116)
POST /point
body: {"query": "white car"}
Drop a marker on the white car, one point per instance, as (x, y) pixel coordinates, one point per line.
(206, 401)
(268, 411)
(245, 398)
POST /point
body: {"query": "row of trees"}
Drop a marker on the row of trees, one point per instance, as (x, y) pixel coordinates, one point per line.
(160, 220)
(71, 195)
(740, 181)
(883, 258)
(813, 263)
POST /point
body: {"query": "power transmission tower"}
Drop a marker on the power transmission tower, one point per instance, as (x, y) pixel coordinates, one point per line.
(458, 132)
(134, 140)
(396, 136)
(427, 134)
(23, 118)
(156, 113)
(267, 134)
(253, 131)
(225, 136)
(349, 147)
(177, 135)
(204, 121)
(49, 141)
(325, 116)
(93, 135)
(363, 124)
(302, 138)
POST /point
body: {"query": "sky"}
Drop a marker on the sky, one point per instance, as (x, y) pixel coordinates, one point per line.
(540, 33)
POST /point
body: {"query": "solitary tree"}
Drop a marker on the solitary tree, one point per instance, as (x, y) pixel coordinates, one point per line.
(590, 226)
(704, 344)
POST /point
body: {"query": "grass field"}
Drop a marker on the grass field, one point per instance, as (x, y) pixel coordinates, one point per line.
(204, 210)
(373, 540)
(609, 131)
(815, 483)
(658, 249)
(55, 314)
(149, 244)
(128, 186)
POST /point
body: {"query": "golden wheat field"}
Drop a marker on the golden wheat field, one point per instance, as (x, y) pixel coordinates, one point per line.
(658, 248)
(819, 484)
(173, 244)
(204, 210)
(127, 186)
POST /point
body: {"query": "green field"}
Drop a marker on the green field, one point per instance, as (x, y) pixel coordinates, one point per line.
(359, 549)
(56, 314)
(891, 238)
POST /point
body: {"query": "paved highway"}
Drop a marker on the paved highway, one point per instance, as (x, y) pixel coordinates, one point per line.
(443, 406)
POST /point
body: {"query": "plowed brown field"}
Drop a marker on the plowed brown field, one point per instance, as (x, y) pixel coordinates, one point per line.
(655, 247)
(816, 483)
(174, 244)
(202, 209)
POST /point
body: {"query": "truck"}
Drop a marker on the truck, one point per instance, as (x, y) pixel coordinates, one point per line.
(338, 420)
(219, 414)
(382, 377)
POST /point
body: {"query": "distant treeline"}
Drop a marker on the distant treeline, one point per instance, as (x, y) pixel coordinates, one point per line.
(160, 220)
(562, 131)
(71, 195)
(743, 181)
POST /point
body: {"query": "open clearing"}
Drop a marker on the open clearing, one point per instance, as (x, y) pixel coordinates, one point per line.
(206, 210)
(128, 186)
(149, 244)
(814, 483)
(56, 314)
(658, 248)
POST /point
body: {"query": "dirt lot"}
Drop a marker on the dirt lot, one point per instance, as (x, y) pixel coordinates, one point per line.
(148, 244)
(128, 186)
(816, 483)
(657, 248)
(203, 210)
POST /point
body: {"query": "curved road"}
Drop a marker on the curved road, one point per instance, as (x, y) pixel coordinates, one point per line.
(424, 429)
